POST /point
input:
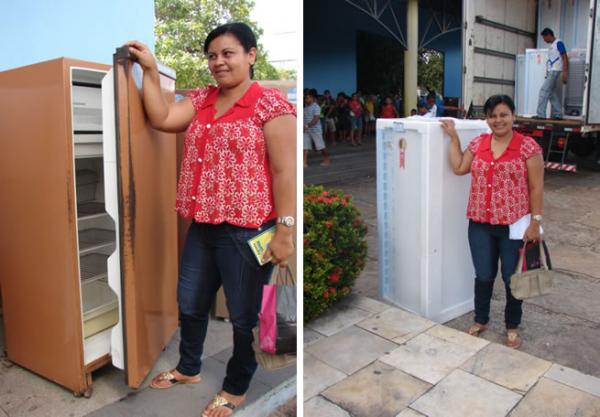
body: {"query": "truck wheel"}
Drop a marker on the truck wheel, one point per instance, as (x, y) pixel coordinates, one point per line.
(582, 146)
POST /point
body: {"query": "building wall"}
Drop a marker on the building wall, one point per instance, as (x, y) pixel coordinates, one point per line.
(330, 47)
(39, 30)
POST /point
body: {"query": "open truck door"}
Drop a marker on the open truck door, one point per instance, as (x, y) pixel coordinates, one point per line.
(494, 32)
(592, 86)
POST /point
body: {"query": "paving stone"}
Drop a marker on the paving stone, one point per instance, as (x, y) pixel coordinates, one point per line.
(320, 407)
(271, 378)
(311, 336)
(409, 412)
(396, 325)
(574, 379)
(428, 357)
(318, 376)
(182, 400)
(365, 303)
(553, 399)
(379, 390)
(338, 318)
(350, 349)
(569, 287)
(457, 337)
(464, 395)
(508, 367)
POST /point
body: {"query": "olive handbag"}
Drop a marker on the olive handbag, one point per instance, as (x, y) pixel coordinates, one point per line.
(533, 276)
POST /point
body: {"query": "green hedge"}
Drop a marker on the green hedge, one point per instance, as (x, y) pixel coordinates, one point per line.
(335, 249)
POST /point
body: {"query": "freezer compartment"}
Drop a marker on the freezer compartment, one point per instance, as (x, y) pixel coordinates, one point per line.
(86, 101)
(87, 97)
(100, 307)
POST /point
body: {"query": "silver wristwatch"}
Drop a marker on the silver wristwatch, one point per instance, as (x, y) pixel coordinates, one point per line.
(537, 217)
(286, 221)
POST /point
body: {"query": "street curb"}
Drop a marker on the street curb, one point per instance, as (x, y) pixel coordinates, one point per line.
(270, 401)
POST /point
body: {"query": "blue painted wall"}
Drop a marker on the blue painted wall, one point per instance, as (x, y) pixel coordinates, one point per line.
(330, 46)
(39, 30)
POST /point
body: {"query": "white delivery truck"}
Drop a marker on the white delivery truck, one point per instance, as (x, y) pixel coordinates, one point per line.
(503, 52)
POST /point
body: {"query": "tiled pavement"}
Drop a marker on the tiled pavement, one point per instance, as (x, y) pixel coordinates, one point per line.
(366, 358)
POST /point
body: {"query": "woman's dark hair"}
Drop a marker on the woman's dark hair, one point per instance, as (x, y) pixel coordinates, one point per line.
(493, 101)
(240, 31)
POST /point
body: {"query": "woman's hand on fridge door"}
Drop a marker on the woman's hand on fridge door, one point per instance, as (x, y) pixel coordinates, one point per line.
(143, 55)
(448, 128)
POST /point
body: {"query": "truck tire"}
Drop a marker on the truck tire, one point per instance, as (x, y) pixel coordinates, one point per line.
(582, 146)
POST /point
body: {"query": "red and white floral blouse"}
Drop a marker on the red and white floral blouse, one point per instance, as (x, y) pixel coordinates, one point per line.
(499, 188)
(225, 174)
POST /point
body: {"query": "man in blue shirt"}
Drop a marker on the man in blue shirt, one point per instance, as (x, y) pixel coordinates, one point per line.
(557, 67)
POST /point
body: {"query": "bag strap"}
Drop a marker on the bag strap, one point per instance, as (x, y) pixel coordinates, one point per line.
(543, 260)
(283, 276)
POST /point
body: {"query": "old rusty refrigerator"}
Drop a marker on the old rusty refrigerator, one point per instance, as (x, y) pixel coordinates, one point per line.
(88, 248)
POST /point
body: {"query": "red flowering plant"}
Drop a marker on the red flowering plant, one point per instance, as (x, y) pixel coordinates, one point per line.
(335, 249)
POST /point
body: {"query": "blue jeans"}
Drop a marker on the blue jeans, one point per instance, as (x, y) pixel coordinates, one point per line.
(549, 91)
(216, 255)
(490, 243)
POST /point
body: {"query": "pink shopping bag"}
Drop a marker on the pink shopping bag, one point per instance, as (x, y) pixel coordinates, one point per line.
(268, 319)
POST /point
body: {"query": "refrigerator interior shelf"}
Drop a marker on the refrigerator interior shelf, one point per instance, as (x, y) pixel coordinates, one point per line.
(93, 266)
(88, 138)
(94, 239)
(100, 307)
(88, 150)
(90, 208)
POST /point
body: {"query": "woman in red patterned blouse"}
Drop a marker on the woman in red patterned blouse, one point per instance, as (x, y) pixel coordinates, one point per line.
(237, 179)
(507, 182)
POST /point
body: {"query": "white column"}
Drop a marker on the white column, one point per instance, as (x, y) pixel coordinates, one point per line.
(410, 56)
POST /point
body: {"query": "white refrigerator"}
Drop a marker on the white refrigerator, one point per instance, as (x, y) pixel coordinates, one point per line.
(424, 260)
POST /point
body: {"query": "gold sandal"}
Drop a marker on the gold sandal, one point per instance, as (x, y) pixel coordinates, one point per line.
(170, 378)
(218, 401)
(513, 340)
(476, 329)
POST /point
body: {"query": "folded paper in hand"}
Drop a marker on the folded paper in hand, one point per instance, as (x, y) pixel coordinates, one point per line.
(260, 243)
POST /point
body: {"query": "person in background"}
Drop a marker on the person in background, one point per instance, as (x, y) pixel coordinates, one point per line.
(313, 132)
(557, 68)
(370, 114)
(413, 112)
(328, 121)
(237, 179)
(356, 120)
(507, 183)
(342, 115)
(388, 109)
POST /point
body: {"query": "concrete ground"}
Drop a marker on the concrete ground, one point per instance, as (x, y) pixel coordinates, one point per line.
(563, 327)
(24, 394)
(365, 358)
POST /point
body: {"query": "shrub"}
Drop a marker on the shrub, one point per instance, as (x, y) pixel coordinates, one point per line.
(335, 249)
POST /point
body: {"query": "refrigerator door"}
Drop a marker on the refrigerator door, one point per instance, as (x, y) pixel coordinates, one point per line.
(146, 172)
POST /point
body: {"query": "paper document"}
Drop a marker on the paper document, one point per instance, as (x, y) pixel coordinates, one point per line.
(517, 230)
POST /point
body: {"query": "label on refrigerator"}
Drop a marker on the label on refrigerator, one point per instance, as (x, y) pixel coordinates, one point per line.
(402, 144)
(398, 126)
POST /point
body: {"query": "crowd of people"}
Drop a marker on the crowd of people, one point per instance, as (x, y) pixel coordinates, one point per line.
(348, 119)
